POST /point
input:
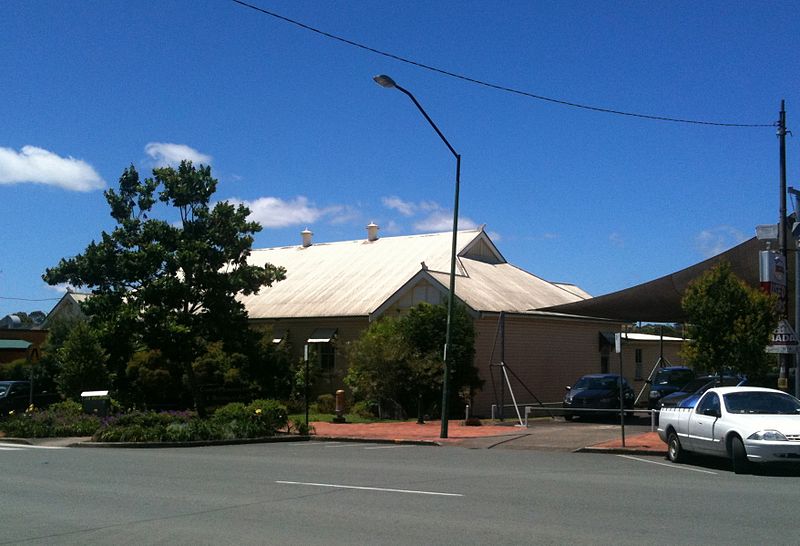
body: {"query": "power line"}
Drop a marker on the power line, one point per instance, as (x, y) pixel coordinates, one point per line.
(28, 299)
(493, 85)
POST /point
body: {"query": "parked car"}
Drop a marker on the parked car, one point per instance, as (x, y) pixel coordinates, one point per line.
(596, 391)
(745, 424)
(16, 396)
(690, 393)
(667, 381)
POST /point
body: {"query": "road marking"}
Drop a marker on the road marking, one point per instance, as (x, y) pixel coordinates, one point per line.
(14, 447)
(345, 444)
(388, 447)
(362, 488)
(668, 465)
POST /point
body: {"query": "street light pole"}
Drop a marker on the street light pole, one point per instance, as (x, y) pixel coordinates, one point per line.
(389, 83)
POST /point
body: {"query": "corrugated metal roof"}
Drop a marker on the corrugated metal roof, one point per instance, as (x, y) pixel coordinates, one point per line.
(354, 278)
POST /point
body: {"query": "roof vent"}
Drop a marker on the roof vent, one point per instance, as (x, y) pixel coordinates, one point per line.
(306, 237)
(372, 231)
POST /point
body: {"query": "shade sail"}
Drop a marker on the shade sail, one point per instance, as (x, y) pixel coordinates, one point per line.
(660, 300)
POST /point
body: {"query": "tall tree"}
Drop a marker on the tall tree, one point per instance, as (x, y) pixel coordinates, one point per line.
(164, 285)
(730, 323)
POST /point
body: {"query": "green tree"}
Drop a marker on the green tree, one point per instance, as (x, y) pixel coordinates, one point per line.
(378, 364)
(30, 320)
(730, 323)
(167, 285)
(401, 359)
(82, 363)
(425, 327)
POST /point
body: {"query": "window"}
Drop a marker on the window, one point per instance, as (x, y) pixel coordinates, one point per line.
(604, 364)
(638, 368)
(709, 402)
(327, 357)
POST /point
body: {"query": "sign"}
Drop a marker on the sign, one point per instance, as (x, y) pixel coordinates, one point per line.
(617, 343)
(784, 340)
(772, 275)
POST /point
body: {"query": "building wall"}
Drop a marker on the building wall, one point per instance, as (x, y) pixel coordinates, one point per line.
(35, 337)
(650, 356)
(546, 354)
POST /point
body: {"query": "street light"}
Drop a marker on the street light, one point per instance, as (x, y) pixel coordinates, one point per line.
(389, 83)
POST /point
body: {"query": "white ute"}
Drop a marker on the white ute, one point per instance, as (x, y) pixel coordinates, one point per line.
(745, 424)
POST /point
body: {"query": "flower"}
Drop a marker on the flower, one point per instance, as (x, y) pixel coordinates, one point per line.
(258, 411)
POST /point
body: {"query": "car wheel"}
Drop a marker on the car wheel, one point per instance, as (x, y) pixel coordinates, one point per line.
(739, 456)
(675, 451)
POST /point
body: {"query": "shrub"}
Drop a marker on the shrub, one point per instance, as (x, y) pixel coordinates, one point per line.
(326, 403)
(236, 420)
(363, 409)
(59, 420)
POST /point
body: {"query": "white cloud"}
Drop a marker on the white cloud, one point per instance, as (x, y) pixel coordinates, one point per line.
(711, 242)
(62, 288)
(442, 221)
(409, 208)
(39, 166)
(617, 240)
(272, 212)
(406, 208)
(169, 154)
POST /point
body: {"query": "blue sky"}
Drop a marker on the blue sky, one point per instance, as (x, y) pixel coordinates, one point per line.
(292, 123)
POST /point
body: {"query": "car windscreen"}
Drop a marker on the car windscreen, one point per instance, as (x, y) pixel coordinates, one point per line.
(673, 377)
(596, 383)
(3, 389)
(770, 403)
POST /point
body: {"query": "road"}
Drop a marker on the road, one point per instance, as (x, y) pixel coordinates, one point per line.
(350, 493)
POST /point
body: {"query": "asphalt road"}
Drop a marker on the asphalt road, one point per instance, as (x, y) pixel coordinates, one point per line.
(349, 493)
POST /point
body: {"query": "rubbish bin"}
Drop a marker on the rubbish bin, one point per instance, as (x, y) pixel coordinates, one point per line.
(96, 403)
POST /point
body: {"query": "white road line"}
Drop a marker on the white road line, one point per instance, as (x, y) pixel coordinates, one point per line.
(388, 447)
(362, 488)
(668, 465)
(345, 444)
(4, 448)
(26, 446)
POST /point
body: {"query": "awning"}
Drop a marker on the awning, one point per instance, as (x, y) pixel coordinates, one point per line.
(14, 344)
(322, 335)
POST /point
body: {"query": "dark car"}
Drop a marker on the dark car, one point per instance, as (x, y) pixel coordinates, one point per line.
(666, 381)
(596, 391)
(16, 396)
(690, 393)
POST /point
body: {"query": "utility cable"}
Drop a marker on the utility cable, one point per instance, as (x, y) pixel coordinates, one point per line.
(493, 85)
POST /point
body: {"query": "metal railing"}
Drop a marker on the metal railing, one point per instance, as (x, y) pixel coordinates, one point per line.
(556, 410)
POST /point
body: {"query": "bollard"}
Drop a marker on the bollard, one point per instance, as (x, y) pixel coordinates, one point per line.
(339, 417)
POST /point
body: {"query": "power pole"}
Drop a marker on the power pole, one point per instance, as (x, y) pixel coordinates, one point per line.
(784, 358)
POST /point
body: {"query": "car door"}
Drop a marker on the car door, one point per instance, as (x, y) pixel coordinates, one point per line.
(703, 424)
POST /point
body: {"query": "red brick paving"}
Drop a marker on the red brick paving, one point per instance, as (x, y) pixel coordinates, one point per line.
(410, 430)
(647, 442)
